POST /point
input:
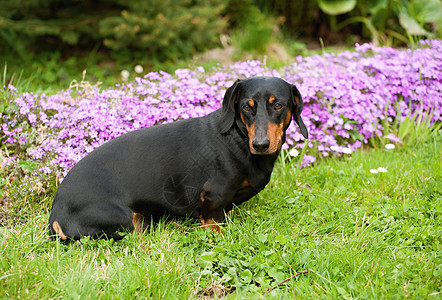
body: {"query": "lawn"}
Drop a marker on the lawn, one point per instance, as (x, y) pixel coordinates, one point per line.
(360, 234)
(354, 212)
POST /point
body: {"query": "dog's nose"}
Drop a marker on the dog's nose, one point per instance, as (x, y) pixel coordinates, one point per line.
(261, 145)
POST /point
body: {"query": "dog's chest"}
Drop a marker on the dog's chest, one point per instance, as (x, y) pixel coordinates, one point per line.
(182, 188)
(221, 157)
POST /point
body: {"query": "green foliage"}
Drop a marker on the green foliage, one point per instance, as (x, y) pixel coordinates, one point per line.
(385, 20)
(300, 17)
(255, 34)
(48, 72)
(336, 7)
(414, 16)
(239, 12)
(33, 25)
(413, 130)
(163, 29)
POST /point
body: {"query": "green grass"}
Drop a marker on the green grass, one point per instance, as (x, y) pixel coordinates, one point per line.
(50, 73)
(362, 235)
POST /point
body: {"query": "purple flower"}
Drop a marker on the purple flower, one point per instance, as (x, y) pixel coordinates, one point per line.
(393, 138)
(12, 88)
(307, 161)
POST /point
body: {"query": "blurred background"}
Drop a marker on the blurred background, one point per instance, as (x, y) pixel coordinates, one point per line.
(51, 42)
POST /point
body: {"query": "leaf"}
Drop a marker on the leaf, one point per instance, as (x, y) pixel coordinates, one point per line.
(336, 7)
(277, 275)
(343, 292)
(411, 25)
(262, 237)
(246, 276)
(305, 257)
(290, 200)
(232, 272)
(374, 6)
(205, 272)
(379, 17)
(356, 135)
(70, 37)
(226, 278)
(260, 277)
(28, 165)
(219, 249)
(208, 256)
(280, 239)
(426, 11)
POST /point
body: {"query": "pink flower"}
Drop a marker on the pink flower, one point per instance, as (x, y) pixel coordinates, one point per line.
(393, 138)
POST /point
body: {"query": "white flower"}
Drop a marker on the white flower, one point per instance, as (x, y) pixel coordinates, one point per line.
(138, 69)
(125, 75)
(346, 150)
(293, 152)
(378, 170)
(334, 148)
(389, 146)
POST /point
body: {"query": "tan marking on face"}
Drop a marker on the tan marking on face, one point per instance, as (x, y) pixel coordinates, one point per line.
(251, 134)
(287, 120)
(59, 231)
(274, 133)
(251, 103)
(138, 222)
(272, 99)
(242, 118)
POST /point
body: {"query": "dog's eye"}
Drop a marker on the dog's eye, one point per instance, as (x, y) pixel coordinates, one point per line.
(246, 107)
(277, 106)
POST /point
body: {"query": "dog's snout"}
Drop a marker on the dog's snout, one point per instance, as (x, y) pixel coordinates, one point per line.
(261, 145)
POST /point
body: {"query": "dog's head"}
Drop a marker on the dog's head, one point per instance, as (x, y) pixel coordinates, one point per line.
(262, 107)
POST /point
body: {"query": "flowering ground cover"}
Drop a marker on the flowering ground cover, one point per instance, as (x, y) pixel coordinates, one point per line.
(348, 99)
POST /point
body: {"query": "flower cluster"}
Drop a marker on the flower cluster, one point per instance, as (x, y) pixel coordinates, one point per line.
(345, 97)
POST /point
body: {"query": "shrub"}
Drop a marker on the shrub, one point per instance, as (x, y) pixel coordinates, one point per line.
(164, 29)
(167, 29)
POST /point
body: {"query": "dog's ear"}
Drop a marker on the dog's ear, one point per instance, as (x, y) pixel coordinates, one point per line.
(228, 109)
(297, 110)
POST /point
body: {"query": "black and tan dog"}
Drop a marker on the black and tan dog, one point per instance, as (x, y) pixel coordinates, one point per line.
(196, 168)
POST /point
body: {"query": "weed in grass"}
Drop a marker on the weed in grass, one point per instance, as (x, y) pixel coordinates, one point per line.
(410, 130)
